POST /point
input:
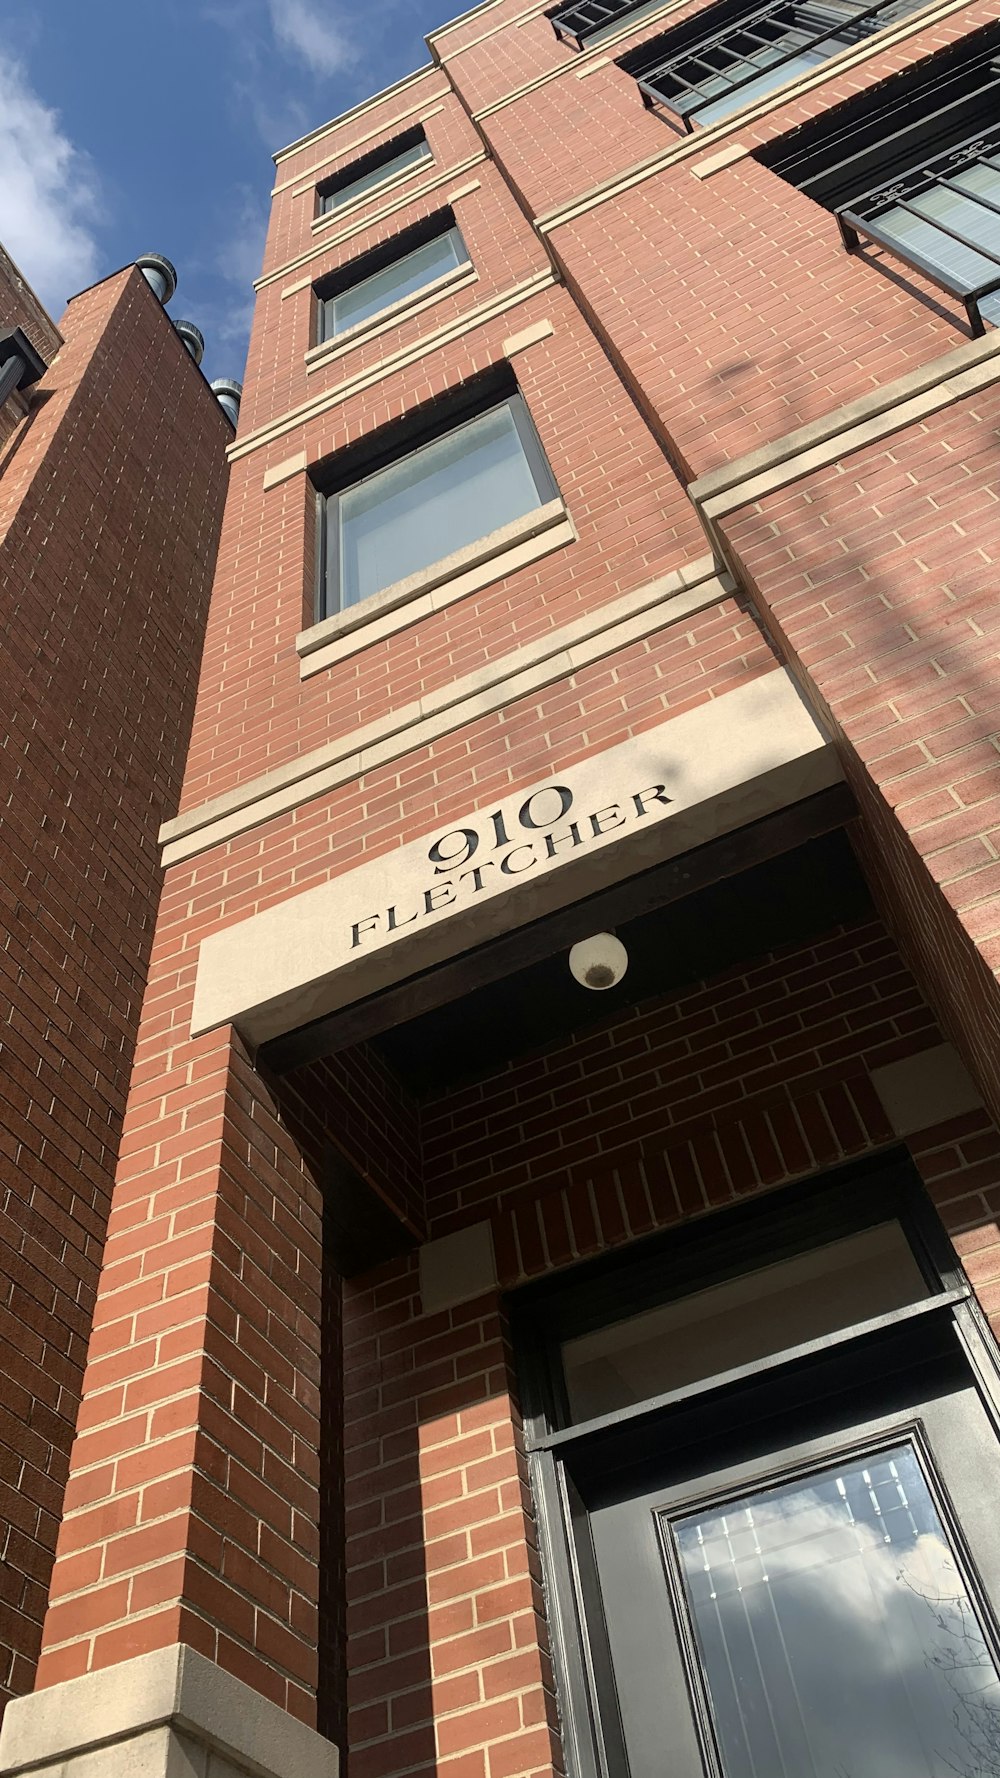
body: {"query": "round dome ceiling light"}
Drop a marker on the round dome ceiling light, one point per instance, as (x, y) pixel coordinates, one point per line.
(598, 962)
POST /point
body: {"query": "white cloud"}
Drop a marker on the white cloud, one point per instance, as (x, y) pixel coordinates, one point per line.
(48, 194)
(271, 44)
(301, 27)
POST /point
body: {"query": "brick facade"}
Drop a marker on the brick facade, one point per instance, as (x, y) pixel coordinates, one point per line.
(110, 500)
(302, 1475)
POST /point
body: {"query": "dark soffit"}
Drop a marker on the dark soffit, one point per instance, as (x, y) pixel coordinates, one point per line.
(786, 900)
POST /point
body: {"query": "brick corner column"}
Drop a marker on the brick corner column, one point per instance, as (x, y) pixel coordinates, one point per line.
(190, 1529)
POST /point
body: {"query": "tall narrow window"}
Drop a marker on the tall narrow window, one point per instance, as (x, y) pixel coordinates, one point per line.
(387, 163)
(422, 506)
(391, 283)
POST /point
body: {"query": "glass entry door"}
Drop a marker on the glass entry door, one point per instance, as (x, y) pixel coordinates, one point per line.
(814, 1611)
(834, 1629)
(766, 1466)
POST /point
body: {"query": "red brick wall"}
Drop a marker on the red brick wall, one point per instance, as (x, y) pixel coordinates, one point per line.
(567, 136)
(877, 576)
(633, 519)
(353, 1102)
(714, 652)
(449, 132)
(504, 248)
(109, 513)
(191, 1514)
(449, 1669)
(728, 305)
(674, 1076)
(20, 307)
(150, 1551)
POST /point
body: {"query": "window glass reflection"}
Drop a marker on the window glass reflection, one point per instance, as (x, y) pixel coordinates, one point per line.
(377, 175)
(967, 204)
(438, 499)
(836, 1636)
(400, 279)
(733, 97)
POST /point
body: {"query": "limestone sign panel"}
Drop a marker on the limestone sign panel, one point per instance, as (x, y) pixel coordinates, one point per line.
(547, 844)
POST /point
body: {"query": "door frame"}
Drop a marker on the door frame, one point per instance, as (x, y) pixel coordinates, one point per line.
(708, 1250)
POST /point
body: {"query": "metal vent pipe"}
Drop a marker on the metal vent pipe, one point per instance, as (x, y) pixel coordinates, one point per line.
(227, 394)
(193, 338)
(159, 273)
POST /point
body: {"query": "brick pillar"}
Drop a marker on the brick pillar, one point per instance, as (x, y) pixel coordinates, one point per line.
(110, 501)
(191, 1513)
(448, 1649)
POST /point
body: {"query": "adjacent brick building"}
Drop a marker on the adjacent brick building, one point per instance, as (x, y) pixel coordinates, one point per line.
(112, 478)
(488, 1378)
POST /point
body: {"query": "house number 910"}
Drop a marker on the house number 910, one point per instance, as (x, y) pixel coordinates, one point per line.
(535, 815)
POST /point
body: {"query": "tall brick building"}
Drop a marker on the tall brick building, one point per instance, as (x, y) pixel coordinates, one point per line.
(112, 478)
(545, 1318)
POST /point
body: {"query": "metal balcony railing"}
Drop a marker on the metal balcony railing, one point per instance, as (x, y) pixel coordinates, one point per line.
(578, 22)
(755, 46)
(942, 217)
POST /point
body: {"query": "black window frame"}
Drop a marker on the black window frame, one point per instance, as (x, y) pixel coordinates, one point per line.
(738, 28)
(863, 156)
(578, 21)
(709, 1250)
(383, 155)
(378, 259)
(422, 426)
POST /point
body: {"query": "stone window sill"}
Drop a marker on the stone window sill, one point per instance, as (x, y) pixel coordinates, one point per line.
(455, 279)
(465, 571)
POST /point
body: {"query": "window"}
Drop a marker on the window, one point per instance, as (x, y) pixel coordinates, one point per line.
(383, 279)
(913, 167)
(463, 482)
(785, 1304)
(734, 52)
(385, 163)
(589, 21)
(765, 1493)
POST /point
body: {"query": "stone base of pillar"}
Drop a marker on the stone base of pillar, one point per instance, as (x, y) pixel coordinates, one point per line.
(169, 1714)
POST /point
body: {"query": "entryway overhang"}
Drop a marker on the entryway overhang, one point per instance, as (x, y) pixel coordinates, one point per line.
(583, 843)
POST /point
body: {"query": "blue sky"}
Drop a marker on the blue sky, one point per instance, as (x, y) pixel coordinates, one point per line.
(131, 125)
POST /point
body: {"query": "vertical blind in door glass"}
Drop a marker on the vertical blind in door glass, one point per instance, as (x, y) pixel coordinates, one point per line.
(438, 499)
(404, 276)
(836, 1636)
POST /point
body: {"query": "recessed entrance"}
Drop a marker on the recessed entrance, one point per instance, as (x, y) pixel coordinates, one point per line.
(767, 1495)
